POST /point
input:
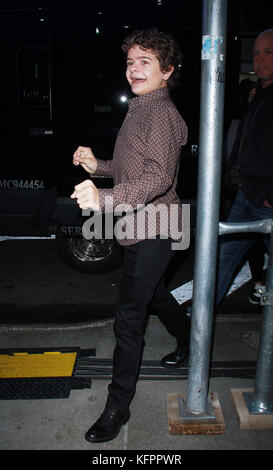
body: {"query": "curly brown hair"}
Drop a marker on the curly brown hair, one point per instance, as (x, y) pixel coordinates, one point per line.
(165, 48)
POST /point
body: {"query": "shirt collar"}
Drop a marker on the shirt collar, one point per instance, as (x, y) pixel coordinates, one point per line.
(149, 97)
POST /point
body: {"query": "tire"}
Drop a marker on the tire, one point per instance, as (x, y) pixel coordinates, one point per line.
(89, 256)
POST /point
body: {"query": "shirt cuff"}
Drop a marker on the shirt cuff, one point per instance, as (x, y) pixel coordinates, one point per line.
(103, 169)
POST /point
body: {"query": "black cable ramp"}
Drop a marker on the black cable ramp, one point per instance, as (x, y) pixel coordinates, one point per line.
(39, 373)
(101, 369)
(43, 373)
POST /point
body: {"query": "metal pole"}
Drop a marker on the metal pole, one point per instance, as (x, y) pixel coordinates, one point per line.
(209, 174)
(261, 400)
(258, 226)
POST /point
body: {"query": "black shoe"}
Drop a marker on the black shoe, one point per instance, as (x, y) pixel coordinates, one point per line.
(176, 359)
(255, 295)
(107, 426)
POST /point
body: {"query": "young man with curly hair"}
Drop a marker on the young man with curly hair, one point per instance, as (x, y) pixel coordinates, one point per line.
(144, 169)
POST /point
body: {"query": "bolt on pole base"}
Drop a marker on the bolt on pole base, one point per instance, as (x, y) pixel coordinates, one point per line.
(187, 415)
(181, 421)
(248, 417)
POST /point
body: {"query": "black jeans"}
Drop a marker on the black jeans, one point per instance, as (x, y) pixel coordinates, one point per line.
(142, 282)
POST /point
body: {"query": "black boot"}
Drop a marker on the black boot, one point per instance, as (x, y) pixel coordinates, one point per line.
(107, 426)
(179, 357)
(176, 320)
(176, 359)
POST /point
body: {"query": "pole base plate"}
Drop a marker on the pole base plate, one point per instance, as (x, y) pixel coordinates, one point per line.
(246, 419)
(194, 425)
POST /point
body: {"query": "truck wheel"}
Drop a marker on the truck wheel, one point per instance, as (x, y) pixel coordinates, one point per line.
(89, 256)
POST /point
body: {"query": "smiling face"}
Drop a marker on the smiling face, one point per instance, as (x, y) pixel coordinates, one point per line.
(263, 57)
(143, 71)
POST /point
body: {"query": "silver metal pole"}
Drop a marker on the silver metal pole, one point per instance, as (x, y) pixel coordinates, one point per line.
(209, 176)
(261, 400)
(259, 226)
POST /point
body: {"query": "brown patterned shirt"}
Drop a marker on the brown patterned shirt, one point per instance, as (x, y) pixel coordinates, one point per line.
(145, 168)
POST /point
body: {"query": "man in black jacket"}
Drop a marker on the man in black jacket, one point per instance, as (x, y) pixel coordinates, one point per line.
(252, 162)
(253, 155)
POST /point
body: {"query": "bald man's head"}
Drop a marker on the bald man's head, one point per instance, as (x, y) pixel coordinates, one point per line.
(263, 57)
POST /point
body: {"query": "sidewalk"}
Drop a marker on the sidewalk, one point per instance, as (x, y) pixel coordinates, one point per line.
(45, 304)
(60, 424)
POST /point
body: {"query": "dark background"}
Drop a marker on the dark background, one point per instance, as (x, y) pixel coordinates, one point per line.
(62, 76)
(63, 73)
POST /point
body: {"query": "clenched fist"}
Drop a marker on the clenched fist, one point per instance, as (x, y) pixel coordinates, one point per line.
(85, 157)
(87, 195)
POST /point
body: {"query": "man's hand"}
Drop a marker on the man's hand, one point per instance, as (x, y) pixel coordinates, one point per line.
(87, 195)
(266, 203)
(85, 157)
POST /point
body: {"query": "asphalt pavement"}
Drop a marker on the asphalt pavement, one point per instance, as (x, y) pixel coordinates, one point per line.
(47, 305)
(36, 286)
